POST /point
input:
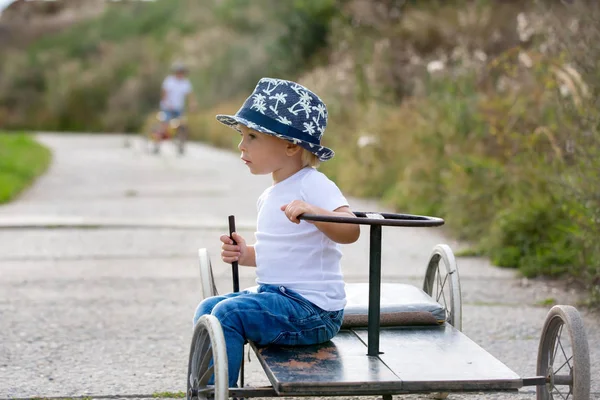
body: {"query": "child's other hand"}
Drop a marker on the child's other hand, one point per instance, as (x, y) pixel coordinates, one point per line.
(232, 252)
(295, 208)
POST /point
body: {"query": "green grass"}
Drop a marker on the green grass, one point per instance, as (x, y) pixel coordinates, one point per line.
(22, 160)
(471, 252)
(169, 395)
(549, 301)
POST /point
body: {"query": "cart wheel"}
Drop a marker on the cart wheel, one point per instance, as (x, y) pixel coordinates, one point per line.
(207, 280)
(208, 344)
(443, 284)
(564, 360)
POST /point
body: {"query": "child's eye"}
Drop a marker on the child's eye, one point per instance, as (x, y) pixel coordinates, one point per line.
(252, 136)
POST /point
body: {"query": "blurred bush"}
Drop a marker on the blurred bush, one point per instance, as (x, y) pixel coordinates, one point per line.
(491, 123)
(104, 74)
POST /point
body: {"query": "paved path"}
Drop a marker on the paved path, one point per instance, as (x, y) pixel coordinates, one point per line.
(99, 277)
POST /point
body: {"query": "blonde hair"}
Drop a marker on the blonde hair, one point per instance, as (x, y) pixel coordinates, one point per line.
(309, 159)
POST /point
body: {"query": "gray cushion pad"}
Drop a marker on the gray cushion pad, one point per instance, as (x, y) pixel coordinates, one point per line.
(401, 304)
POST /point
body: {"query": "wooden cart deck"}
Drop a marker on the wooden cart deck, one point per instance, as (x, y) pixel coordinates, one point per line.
(412, 359)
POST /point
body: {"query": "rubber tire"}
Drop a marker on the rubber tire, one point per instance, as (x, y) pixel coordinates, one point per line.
(207, 280)
(180, 139)
(208, 343)
(434, 277)
(557, 317)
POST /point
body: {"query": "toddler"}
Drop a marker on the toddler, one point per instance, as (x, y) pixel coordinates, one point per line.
(300, 296)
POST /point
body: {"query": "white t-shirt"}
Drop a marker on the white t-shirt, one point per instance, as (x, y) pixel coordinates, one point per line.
(175, 92)
(299, 256)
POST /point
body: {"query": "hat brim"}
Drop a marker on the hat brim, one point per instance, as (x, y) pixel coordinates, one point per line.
(233, 121)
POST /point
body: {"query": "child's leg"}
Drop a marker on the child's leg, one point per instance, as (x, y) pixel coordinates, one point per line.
(206, 306)
(273, 315)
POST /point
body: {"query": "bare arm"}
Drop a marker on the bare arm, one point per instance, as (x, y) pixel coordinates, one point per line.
(339, 233)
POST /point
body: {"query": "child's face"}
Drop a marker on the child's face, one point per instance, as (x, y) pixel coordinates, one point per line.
(263, 154)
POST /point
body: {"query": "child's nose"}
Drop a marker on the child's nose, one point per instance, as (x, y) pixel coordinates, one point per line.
(242, 145)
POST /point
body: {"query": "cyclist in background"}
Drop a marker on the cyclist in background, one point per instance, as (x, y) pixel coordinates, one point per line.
(176, 93)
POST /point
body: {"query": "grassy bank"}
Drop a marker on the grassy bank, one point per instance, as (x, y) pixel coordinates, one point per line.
(22, 160)
(501, 140)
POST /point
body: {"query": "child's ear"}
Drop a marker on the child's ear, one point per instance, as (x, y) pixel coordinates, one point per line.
(292, 149)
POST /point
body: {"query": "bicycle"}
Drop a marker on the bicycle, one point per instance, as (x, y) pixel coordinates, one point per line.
(176, 130)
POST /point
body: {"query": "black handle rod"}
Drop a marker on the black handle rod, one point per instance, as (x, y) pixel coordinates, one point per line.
(234, 265)
(374, 315)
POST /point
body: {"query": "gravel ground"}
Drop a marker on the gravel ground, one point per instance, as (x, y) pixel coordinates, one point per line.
(99, 273)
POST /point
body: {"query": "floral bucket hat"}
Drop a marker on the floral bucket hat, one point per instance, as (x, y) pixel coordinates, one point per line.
(286, 110)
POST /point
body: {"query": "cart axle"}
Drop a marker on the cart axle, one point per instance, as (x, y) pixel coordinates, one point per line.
(556, 380)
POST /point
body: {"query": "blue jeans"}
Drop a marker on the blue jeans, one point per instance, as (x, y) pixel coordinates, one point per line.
(171, 114)
(273, 315)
